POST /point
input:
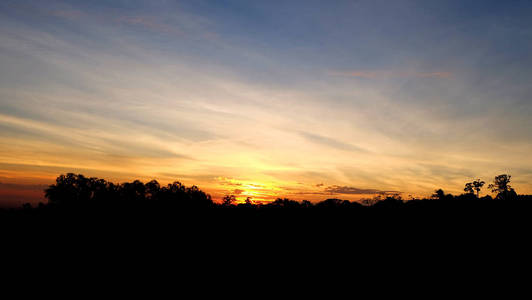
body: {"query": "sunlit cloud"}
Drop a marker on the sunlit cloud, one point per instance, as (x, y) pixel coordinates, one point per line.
(330, 142)
(349, 190)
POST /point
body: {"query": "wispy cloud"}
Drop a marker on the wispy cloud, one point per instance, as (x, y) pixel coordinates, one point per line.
(105, 90)
(228, 181)
(150, 23)
(327, 141)
(349, 190)
(391, 74)
(67, 14)
(31, 187)
(153, 23)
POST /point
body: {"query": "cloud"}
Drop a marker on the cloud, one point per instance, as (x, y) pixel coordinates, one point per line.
(323, 140)
(149, 23)
(67, 14)
(238, 191)
(228, 181)
(336, 189)
(17, 186)
(197, 177)
(391, 74)
(110, 96)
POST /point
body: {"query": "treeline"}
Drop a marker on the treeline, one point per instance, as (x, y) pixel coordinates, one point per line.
(79, 204)
(75, 191)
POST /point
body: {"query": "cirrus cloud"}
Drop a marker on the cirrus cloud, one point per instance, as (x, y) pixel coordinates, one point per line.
(336, 189)
(377, 74)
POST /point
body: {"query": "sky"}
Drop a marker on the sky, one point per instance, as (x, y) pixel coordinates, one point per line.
(264, 99)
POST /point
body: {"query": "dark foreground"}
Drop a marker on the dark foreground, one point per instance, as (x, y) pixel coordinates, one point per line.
(141, 230)
(391, 215)
(80, 204)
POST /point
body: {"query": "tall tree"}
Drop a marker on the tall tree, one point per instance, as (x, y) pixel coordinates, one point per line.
(469, 188)
(476, 185)
(501, 186)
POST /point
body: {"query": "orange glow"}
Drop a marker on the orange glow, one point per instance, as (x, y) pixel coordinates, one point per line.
(222, 100)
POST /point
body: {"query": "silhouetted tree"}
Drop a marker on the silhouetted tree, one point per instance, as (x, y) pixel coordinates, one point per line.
(248, 201)
(469, 188)
(370, 202)
(70, 189)
(285, 203)
(133, 192)
(333, 203)
(501, 183)
(228, 200)
(152, 189)
(464, 197)
(306, 204)
(439, 194)
(197, 197)
(393, 201)
(80, 192)
(501, 186)
(476, 185)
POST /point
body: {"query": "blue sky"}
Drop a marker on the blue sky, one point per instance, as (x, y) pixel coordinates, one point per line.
(406, 96)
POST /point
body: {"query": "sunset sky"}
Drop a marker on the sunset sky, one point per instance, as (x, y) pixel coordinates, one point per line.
(299, 99)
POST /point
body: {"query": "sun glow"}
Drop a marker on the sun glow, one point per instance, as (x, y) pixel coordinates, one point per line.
(185, 92)
(255, 191)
